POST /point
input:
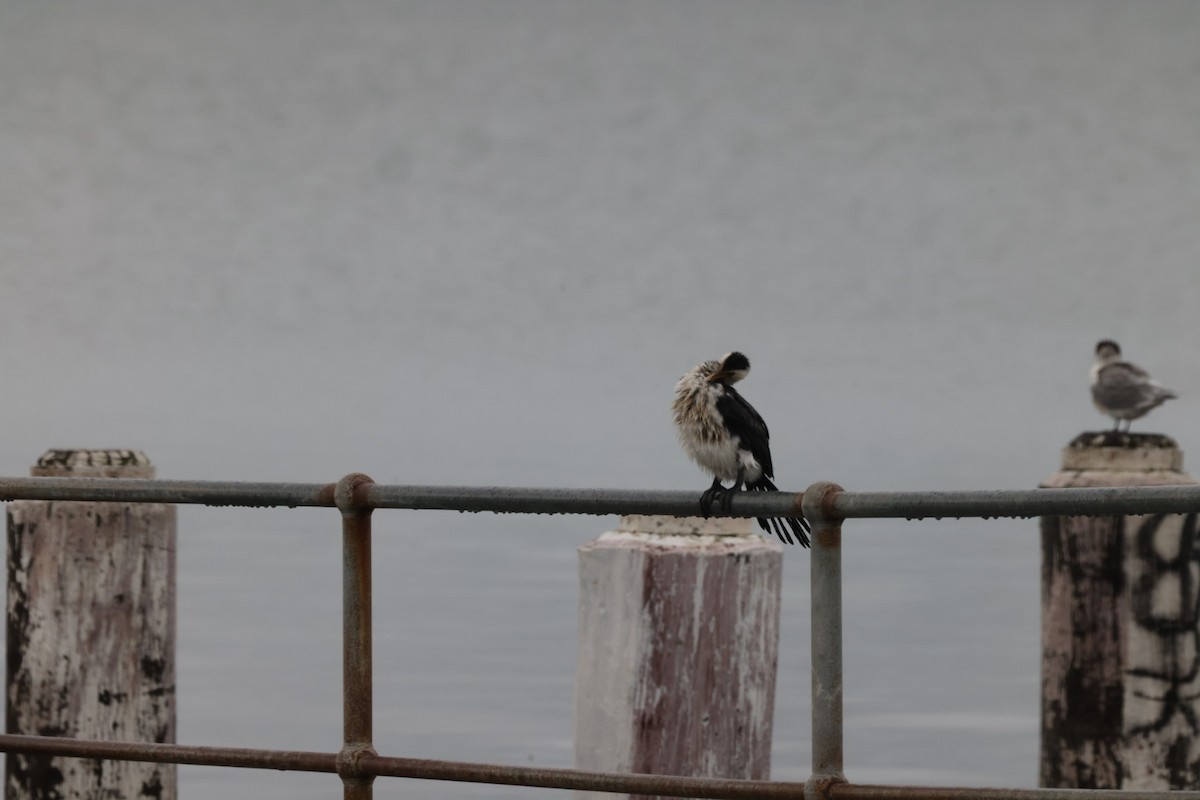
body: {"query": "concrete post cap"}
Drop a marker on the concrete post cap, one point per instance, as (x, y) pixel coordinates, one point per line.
(685, 526)
(1113, 450)
(79, 463)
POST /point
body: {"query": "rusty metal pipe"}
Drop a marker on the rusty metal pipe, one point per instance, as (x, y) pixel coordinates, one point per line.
(1082, 501)
(516, 500)
(137, 490)
(550, 778)
(426, 769)
(852, 791)
(825, 567)
(583, 780)
(356, 637)
(299, 760)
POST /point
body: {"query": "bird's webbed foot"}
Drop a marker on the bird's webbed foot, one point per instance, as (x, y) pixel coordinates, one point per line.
(711, 496)
(717, 494)
(727, 496)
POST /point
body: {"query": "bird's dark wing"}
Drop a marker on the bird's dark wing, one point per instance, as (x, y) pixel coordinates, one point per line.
(745, 423)
(1120, 385)
(1131, 368)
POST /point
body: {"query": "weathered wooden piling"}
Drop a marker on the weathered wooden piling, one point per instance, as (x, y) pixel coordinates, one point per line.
(91, 632)
(678, 643)
(1120, 633)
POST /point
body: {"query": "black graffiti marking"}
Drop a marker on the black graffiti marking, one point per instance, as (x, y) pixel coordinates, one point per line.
(1172, 703)
(1169, 629)
(1181, 565)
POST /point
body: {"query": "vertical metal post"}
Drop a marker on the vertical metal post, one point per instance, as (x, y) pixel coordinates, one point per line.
(826, 609)
(356, 638)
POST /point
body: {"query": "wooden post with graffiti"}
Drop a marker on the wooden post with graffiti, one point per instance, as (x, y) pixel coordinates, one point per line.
(1120, 628)
(91, 631)
(678, 644)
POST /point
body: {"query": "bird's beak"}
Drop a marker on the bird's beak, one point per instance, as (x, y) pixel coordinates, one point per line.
(716, 376)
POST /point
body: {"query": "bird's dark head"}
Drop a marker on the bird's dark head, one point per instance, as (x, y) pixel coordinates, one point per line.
(734, 366)
(1107, 348)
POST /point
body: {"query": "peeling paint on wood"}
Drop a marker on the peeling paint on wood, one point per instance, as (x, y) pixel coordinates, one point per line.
(91, 637)
(678, 648)
(1120, 628)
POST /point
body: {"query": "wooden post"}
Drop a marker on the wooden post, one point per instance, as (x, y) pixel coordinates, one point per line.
(1120, 632)
(91, 632)
(678, 642)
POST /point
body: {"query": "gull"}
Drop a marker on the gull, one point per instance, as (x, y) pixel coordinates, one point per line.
(727, 438)
(1121, 389)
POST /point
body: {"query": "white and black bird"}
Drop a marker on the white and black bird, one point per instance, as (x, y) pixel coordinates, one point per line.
(723, 433)
(1122, 390)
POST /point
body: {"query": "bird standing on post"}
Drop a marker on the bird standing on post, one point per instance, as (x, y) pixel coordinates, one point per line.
(723, 434)
(1122, 390)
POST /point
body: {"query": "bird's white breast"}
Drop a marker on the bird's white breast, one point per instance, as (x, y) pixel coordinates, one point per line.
(703, 435)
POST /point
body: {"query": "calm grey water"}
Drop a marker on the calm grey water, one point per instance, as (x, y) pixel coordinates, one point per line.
(477, 242)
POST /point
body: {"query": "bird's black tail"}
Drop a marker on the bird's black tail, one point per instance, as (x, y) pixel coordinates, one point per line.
(780, 526)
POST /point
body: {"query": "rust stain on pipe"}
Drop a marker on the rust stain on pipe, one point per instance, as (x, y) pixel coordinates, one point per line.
(327, 496)
(821, 504)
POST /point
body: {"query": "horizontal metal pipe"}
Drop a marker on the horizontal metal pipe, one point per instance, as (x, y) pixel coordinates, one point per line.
(136, 490)
(852, 791)
(299, 760)
(1092, 501)
(551, 778)
(667, 785)
(512, 500)
(910, 505)
(385, 766)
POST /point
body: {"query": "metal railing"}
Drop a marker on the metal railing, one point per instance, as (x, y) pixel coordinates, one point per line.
(356, 496)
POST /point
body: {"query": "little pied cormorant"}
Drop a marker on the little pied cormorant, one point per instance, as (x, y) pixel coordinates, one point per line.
(723, 433)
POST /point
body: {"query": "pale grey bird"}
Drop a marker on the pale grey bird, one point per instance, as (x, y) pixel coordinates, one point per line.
(723, 433)
(1122, 390)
